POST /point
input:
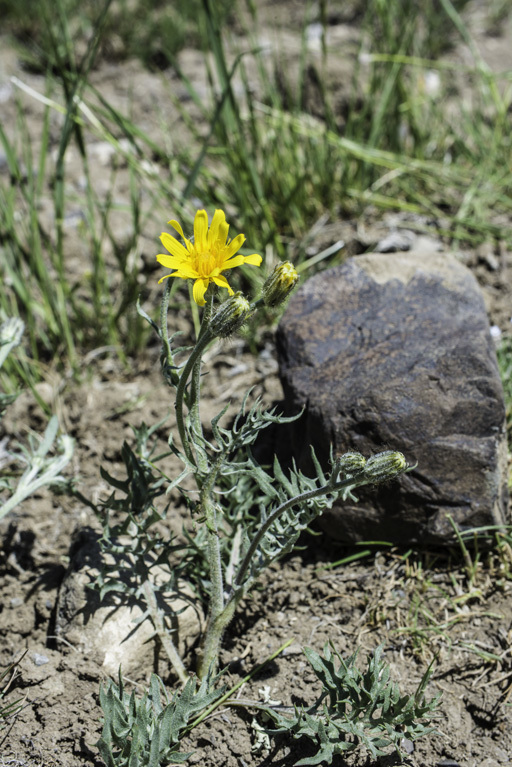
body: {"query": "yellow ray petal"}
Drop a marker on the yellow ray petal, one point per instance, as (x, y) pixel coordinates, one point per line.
(176, 225)
(170, 262)
(218, 219)
(254, 259)
(223, 283)
(200, 230)
(234, 245)
(199, 290)
(173, 246)
(232, 262)
(223, 234)
(186, 272)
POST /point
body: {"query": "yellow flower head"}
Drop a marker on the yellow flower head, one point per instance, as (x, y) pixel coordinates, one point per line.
(207, 256)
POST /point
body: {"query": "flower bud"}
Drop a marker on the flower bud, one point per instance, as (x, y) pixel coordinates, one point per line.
(350, 464)
(230, 316)
(386, 465)
(280, 284)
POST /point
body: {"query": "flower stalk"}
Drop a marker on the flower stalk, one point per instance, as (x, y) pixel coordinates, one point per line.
(193, 367)
(229, 545)
(203, 260)
(221, 619)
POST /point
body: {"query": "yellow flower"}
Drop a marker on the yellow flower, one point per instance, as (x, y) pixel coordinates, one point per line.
(207, 256)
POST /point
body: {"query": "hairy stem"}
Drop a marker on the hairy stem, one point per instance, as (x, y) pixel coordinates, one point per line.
(167, 356)
(221, 612)
(217, 624)
(198, 350)
(328, 488)
(195, 386)
(224, 699)
(209, 652)
(214, 628)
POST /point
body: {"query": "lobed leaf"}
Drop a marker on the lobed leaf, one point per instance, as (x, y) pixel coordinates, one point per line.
(348, 720)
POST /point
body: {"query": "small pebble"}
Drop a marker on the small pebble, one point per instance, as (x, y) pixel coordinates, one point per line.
(491, 262)
(294, 649)
(314, 34)
(396, 242)
(432, 83)
(6, 92)
(407, 746)
(40, 660)
(16, 601)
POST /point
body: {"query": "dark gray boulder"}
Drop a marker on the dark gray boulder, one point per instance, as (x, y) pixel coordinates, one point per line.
(394, 352)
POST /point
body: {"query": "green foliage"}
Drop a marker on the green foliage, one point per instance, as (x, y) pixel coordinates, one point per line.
(151, 30)
(64, 311)
(11, 331)
(289, 503)
(42, 466)
(289, 160)
(246, 516)
(144, 732)
(404, 28)
(238, 523)
(357, 709)
(140, 550)
(286, 161)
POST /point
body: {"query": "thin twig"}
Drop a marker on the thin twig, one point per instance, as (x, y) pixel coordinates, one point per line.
(163, 634)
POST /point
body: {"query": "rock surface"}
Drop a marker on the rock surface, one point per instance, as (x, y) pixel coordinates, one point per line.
(394, 352)
(113, 633)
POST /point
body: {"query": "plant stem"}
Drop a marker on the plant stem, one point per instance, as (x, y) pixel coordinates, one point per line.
(164, 331)
(221, 613)
(225, 698)
(195, 386)
(163, 634)
(216, 621)
(198, 350)
(217, 624)
(328, 488)
(209, 653)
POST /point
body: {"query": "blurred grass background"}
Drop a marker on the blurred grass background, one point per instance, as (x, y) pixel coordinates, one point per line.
(275, 145)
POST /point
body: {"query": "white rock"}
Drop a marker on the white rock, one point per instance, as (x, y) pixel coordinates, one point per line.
(112, 632)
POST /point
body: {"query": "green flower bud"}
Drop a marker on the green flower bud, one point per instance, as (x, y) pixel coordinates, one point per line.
(280, 284)
(386, 465)
(350, 464)
(230, 316)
